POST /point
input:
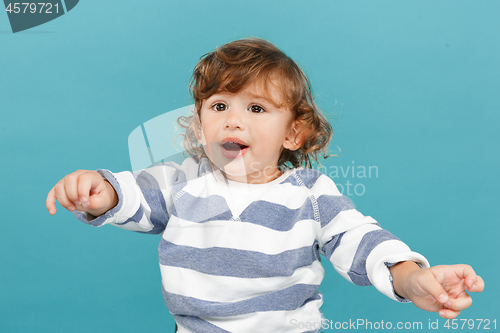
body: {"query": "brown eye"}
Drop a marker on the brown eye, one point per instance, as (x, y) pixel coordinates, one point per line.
(219, 107)
(256, 108)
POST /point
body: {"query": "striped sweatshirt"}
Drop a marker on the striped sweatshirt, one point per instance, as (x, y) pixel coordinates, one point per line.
(238, 257)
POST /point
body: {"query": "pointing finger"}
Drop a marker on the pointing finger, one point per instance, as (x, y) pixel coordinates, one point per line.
(50, 203)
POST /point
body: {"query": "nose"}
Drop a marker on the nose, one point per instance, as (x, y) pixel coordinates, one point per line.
(234, 119)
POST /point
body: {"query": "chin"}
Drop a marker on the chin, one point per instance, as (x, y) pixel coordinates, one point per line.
(234, 168)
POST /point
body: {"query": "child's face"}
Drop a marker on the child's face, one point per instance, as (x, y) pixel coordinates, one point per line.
(244, 133)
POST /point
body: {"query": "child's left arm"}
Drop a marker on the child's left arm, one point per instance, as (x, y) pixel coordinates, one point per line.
(439, 288)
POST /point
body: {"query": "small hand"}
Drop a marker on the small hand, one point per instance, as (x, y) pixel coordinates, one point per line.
(443, 288)
(82, 190)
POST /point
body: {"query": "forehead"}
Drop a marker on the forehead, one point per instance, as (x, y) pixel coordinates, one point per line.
(270, 90)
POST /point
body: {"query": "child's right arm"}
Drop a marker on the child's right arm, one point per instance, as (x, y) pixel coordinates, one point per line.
(140, 201)
(85, 191)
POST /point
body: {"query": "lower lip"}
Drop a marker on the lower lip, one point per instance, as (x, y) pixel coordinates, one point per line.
(233, 154)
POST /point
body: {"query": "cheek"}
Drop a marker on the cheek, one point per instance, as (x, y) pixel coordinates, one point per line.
(208, 138)
(275, 132)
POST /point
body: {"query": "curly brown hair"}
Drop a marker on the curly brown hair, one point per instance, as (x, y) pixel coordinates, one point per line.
(233, 66)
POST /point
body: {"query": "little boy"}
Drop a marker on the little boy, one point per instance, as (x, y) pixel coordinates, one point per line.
(242, 221)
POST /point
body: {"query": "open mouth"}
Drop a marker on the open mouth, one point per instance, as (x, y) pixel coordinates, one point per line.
(233, 149)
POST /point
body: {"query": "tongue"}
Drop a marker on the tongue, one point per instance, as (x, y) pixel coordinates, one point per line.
(232, 146)
(232, 150)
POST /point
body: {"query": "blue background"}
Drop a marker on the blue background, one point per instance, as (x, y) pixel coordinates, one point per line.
(411, 87)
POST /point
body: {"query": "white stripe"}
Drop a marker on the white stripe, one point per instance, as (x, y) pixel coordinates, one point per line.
(391, 251)
(186, 282)
(201, 187)
(294, 321)
(240, 235)
(131, 197)
(343, 256)
(190, 167)
(345, 220)
(325, 186)
(286, 194)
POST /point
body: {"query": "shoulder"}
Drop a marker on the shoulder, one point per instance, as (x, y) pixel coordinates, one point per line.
(170, 173)
(327, 202)
(314, 180)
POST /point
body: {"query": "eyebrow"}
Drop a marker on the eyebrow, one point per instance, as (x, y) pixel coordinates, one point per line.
(266, 99)
(253, 96)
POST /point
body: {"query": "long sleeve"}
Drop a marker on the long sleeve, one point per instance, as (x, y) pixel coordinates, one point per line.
(359, 249)
(145, 198)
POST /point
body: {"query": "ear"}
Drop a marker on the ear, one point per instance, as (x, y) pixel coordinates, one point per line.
(196, 128)
(295, 137)
(200, 137)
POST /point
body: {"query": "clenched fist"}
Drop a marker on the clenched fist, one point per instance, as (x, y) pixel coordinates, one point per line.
(85, 191)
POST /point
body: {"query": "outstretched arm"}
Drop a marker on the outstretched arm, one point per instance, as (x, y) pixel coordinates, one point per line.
(439, 288)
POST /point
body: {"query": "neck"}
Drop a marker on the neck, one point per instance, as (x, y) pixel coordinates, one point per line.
(255, 178)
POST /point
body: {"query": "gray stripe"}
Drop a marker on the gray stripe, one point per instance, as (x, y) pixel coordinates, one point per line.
(236, 263)
(204, 167)
(331, 205)
(370, 240)
(136, 218)
(287, 299)
(275, 216)
(271, 215)
(200, 210)
(154, 197)
(332, 245)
